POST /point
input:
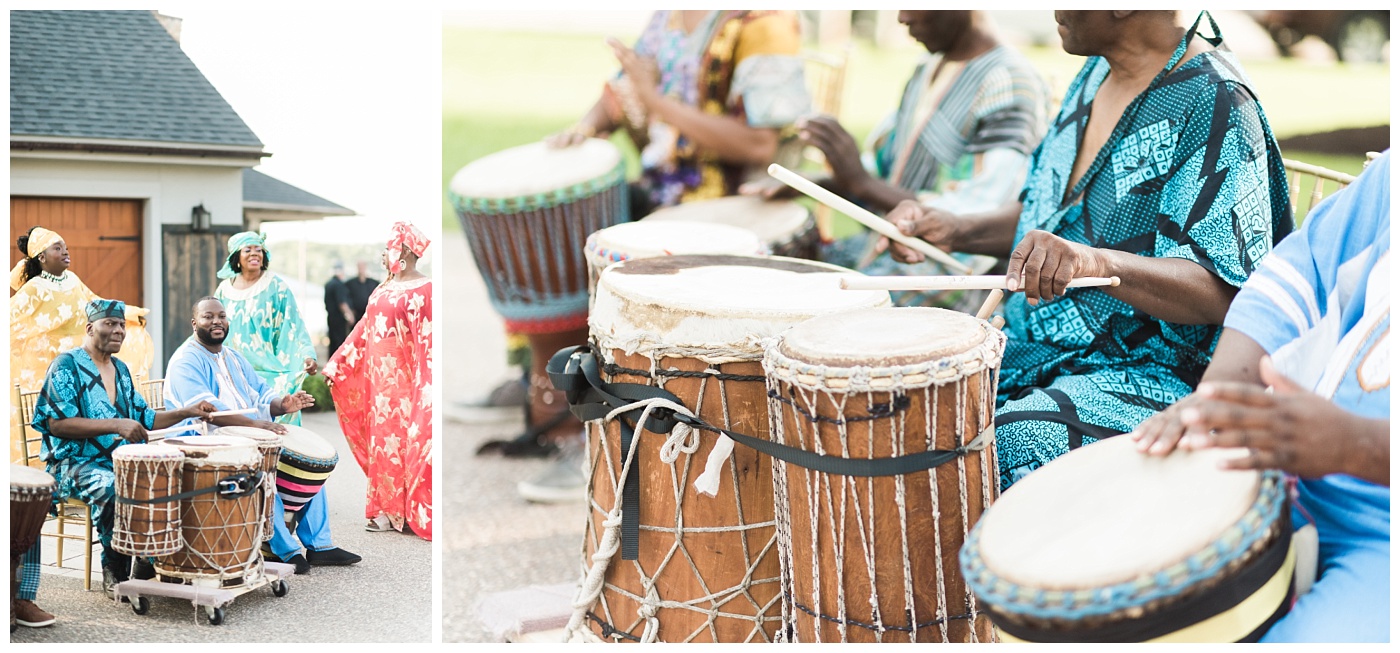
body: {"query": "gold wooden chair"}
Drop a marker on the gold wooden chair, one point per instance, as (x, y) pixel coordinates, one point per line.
(1314, 178)
(825, 75)
(70, 511)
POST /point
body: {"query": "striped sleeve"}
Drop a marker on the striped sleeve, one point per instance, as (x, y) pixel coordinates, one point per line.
(1010, 110)
(1297, 284)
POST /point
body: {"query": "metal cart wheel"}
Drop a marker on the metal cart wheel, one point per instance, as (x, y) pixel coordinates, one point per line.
(141, 605)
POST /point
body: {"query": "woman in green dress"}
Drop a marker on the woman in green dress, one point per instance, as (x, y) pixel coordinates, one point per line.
(264, 323)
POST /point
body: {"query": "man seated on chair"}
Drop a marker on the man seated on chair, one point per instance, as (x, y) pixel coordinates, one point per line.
(1314, 323)
(203, 370)
(89, 406)
(1161, 170)
(960, 140)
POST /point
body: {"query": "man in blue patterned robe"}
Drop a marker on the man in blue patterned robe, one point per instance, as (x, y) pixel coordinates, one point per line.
(1160, 169)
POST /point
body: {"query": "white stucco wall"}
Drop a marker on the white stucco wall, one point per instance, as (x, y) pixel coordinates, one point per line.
(169, 189)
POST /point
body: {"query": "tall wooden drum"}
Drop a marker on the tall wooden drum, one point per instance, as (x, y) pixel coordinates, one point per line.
(146, 521)
(872, 555)
(222, 526)
(31, 492)
(706, 567)
(270, 448)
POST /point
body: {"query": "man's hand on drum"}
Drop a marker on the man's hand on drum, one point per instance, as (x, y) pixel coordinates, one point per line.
(265, 425)
(1043, 264)
(294, 402)
(913, 219)
(131, 430)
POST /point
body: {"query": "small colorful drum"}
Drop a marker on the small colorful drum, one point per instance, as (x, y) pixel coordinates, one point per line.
(221, 526)
(706, 567)
(270, 448)
(527, 212)
(874, 558)
(146, 520)
(306, 462)
(31, 492)
(784, 225)
(1105, 544)
(666, 238)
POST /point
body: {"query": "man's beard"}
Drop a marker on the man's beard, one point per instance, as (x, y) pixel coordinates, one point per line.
(206, 337)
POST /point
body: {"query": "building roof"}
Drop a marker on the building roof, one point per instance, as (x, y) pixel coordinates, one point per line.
(112, 75)
(274, 196)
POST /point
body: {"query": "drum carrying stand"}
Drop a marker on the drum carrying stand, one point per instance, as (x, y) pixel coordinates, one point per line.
(213, 598)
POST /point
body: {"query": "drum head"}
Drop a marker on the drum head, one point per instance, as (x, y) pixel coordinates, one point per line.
(307, 443)
(631, 240)
(879, 337)
(215, 449)
(1105, 514)
(774, 221)
(263, 437)
(535, 168)
(28, 477)
(146, 451)
(705, 300)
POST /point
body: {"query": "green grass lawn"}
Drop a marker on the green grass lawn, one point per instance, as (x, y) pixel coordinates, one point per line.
(504, 89)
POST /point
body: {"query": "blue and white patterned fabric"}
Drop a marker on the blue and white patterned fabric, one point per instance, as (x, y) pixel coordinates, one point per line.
(1320, 305)
(1191, 171)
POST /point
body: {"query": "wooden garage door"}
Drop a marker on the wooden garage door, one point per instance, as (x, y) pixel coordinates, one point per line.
(103, 236)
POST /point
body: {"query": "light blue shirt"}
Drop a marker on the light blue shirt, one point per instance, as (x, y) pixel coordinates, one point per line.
(194, 375)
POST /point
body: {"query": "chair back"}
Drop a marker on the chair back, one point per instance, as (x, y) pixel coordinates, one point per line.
(826, 79)
(26, 402)
(1315, 180)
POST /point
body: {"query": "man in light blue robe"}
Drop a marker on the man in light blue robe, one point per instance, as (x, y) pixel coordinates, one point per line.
(202, 369)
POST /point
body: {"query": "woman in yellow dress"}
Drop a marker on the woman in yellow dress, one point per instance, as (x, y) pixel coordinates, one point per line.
(47, 319)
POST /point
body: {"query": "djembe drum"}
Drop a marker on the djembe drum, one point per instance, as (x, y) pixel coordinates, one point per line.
(146, 520)
(270, 448)
(665, 238)
(31, 492)
(527, 212)
(221, 525)
(1105, 544)
(908, 394)
(784, 225)
(307, 460)
(704, 568)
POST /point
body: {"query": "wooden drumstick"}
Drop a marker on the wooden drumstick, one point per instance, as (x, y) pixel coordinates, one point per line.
(241, 411)
(197, 427)
(970, 282)
(990, 305)
(998, 322)
(874, 222)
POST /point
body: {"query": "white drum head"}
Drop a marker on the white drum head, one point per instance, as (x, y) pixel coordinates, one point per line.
(146, 451)
(307, 443)
(710, 301)
(215, 449)
(880, 337)
(534, 168)
(773, 221)
(631, 240)
(1105, 514)
(263, 437)
(29, 478)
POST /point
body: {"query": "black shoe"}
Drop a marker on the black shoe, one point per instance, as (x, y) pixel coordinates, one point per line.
(110, 579)
(144, 570)
(337, 557)
(298, 561)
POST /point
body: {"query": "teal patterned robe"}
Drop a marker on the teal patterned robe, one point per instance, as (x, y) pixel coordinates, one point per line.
(265, 326)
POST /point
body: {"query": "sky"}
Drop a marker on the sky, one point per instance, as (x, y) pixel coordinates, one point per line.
(347, 102)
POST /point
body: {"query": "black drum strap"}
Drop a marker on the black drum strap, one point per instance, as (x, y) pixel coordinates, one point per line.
(574, 370)
(231, 487)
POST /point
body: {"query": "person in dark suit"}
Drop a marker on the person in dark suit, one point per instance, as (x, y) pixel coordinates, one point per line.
(339, 315)
(361, 287)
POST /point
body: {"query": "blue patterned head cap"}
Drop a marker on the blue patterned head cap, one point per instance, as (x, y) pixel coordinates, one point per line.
(98, 309)
(237, 242)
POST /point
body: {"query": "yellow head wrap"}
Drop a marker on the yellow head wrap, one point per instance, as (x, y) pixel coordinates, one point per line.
(39, 240)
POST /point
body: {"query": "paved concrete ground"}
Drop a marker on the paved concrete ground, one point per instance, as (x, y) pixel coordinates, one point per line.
(492, 540)
(385, 598)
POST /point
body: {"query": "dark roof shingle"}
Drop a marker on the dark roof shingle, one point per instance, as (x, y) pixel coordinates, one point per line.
(265, 191)
(112, 75)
